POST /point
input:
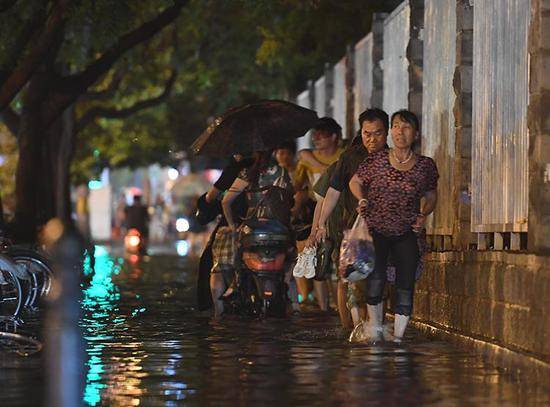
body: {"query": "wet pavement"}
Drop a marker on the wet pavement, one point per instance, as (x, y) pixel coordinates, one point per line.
(146, 345)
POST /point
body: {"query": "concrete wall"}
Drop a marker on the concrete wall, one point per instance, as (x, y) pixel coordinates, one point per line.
(497, 297)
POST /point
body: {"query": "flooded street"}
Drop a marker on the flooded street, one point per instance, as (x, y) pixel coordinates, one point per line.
(147, 345)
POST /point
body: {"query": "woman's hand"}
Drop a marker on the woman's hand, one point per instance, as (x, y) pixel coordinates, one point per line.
(420, 223)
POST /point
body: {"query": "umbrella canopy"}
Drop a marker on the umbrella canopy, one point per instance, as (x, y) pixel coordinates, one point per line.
(255, 127)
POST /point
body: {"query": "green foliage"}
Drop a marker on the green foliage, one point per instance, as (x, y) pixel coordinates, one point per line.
(8, 152)
(227, 52)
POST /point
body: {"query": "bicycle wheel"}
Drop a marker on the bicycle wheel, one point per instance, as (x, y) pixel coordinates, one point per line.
(11, 296)
(38, 267)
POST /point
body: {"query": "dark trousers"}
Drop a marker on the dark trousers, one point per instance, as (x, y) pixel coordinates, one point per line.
(405, 255)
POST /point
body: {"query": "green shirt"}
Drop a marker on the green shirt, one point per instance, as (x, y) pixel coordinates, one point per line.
(338, 176)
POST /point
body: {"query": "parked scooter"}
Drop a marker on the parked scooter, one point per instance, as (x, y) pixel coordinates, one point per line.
(264, 252)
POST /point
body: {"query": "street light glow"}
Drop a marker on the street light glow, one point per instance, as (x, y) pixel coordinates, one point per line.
(182, 225)
(173, 174)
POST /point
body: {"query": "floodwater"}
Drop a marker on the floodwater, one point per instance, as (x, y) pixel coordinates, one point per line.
(146, 345)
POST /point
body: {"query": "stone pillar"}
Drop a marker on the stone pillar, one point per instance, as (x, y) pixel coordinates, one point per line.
(350, 92)
(311, 94)
(539, 128)
(462, 84)
(377, 95)
(329, 89)
(415, 55)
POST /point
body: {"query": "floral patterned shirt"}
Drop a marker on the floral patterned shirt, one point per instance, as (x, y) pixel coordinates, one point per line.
(393, 196)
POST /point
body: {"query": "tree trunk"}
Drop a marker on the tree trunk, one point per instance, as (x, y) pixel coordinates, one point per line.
(35, 200)
(28, 188)
(63, 161)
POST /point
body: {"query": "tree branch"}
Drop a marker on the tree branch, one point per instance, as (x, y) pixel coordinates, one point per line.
(11, 119)
(73, 86)
(111, 113)
(106, 93)
(24, 70)
(25, 34)
(5, 5)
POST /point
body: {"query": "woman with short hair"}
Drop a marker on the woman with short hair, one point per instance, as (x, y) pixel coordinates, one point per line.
(396, 189)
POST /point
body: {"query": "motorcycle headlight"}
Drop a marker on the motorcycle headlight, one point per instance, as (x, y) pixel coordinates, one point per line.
(133, 241)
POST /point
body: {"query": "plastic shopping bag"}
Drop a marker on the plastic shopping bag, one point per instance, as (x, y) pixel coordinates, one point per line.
(356, 252)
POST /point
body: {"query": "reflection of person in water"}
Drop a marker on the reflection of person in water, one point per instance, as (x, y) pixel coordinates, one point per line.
(83, 222)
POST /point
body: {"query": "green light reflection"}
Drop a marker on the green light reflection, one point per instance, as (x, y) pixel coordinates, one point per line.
(100, 302)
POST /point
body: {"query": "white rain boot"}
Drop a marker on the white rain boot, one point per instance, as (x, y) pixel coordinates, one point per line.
(373, 328)
(399, 326)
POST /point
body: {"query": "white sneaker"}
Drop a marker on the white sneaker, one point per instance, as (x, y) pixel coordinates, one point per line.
(298, 270)
(310, 262)
(305, 263)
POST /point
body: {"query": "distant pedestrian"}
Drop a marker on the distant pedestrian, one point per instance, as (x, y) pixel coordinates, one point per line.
(137, 217)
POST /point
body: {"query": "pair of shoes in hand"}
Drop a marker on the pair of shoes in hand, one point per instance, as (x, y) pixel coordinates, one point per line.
(306, 263)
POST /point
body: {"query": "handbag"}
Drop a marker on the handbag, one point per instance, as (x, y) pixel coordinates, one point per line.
(324, 259)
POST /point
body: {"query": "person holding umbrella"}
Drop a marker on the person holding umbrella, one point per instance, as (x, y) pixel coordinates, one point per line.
(257, 129)
(256, 181)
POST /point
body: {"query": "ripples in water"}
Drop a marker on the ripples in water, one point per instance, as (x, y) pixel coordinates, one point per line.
(147, 345)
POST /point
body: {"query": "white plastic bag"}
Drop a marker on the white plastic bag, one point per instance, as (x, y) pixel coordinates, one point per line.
(356, 252)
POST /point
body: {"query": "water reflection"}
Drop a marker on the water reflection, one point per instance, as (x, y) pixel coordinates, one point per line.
(110, 378)
(147, 345)
(98, 303)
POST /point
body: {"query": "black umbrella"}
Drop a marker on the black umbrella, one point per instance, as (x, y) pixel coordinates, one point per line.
(255, 127)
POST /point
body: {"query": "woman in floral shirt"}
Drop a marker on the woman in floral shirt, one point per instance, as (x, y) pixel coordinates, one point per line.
(397, 190)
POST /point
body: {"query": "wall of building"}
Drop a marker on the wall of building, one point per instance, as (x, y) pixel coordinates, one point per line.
(478, 73)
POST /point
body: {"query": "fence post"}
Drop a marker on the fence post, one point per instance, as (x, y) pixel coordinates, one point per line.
(64, 343)
(538, 123)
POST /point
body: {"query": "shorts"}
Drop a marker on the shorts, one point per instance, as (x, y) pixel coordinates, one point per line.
(223, 251)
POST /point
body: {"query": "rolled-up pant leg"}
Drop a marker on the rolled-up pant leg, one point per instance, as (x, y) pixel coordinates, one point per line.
(377, 279)
(406, 255)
